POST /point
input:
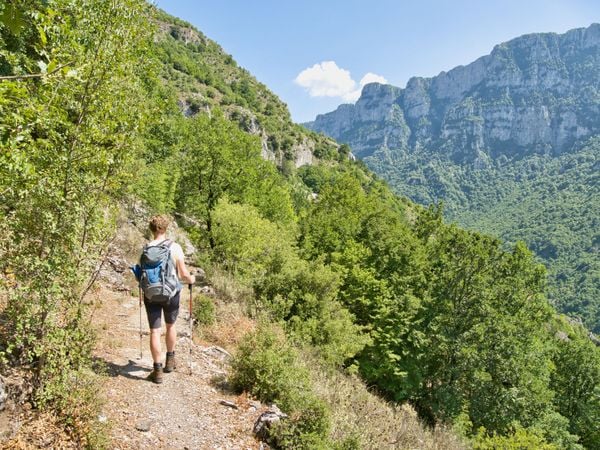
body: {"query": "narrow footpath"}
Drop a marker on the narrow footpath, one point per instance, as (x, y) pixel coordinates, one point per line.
(191, 409)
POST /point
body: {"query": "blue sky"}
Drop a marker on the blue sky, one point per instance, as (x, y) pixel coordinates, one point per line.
(314, 54)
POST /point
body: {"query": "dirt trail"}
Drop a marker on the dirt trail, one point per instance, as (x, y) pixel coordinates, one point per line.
(185, 411)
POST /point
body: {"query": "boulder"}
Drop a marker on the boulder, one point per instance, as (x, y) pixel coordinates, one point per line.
(266, 420)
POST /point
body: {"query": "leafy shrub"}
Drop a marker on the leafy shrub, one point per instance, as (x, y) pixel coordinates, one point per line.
(156, 184)
(267, 366)
(204, 310)
(308, 424)
(522, 439)
(247, 244)
(303, 295)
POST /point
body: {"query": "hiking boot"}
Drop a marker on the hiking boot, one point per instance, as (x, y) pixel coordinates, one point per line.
(156, 376)
(170, 364)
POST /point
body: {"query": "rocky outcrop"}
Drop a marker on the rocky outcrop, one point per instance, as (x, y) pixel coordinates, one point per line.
(3, 395)
(266, 421)
(304, 152)
(538, 93)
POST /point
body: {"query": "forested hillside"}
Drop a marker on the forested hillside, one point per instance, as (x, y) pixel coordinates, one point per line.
(507, 143)
(550, 202)
(347, 280)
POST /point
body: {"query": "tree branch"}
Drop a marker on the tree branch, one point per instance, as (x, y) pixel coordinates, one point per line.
(34, 75)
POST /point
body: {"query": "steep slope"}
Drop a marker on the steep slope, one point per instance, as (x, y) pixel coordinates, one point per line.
(205, 76)
(505, 143)
(354, 277)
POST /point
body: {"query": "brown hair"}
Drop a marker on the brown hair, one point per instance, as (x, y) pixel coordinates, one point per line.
(159, 224)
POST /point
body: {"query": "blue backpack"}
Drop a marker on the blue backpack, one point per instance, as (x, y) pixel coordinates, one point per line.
(157, 274)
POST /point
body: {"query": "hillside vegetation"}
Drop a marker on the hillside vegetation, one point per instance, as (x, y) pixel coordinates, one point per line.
(204, 76)
(330, 261)
(550, 202)
(508, 143)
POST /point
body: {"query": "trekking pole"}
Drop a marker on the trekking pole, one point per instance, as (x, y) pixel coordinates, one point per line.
(191, 329)
(140, 292)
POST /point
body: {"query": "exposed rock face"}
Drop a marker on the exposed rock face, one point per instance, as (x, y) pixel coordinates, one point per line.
(538, 93)
(304, 153)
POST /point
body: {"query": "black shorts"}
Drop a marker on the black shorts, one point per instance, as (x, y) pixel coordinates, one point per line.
(154, 311)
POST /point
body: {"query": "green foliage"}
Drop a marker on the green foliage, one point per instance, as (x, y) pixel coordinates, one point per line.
(156, 184)
(159, 164)
(219, 159)
(555, 429)
(303, 295)
(204, 310)
(449, 320)
(576, 382)
(288, 288)
(247, 244)
(69, 131)
(548, 201)
(268, 367)
(459, 326)
(522, 439)
(483, 358)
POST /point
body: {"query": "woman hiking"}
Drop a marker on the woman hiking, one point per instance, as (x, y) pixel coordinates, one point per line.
(162, 268)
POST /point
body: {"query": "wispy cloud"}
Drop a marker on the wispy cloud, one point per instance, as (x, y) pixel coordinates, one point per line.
(326, 79)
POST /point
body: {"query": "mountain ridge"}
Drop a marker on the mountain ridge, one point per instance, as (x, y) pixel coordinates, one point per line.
(437, 108)
(206, 77)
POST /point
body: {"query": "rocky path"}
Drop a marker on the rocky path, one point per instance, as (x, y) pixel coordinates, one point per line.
(189, 410)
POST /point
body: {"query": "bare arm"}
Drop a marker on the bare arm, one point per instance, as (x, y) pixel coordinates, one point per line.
(183, 273)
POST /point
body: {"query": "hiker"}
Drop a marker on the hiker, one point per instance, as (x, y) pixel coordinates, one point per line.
(167, 303)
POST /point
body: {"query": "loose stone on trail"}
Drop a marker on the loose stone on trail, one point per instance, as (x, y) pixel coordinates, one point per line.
(143, 425)
(254, 405)
(3, 395)
(266, 421)
(228, 404)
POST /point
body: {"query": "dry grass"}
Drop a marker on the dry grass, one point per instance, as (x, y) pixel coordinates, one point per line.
(379, 425)
(231, 325)
(228, 288)
(41, 431)
(231, 310)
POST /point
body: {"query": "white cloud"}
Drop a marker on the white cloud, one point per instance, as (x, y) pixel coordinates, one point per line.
(371, 77)
(326, 79)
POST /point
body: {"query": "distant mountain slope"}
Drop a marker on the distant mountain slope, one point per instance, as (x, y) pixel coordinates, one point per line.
(535, 94)
(505, 143)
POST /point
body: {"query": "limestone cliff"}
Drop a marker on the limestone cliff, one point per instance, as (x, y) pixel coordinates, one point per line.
(538, 93)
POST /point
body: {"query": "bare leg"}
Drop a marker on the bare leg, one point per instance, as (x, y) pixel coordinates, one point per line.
(171, 337)
(155, 344)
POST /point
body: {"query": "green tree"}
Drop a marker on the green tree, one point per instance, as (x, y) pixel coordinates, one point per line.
(485, 318)
(71, 109)
(576, 382)
(220, 159)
